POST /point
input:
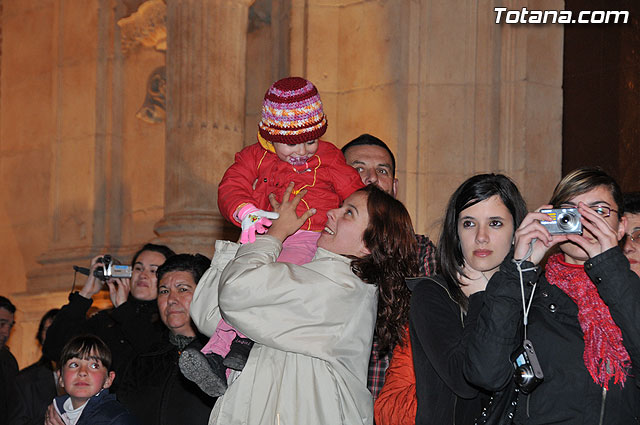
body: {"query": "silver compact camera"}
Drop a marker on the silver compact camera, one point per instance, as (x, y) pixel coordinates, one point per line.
(111, 269)
(563, 221)
(528, 373)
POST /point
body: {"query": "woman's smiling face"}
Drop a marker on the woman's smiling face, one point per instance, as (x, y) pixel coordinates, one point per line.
(345, 227)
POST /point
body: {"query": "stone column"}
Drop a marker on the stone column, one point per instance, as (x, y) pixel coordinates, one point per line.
(206, 50)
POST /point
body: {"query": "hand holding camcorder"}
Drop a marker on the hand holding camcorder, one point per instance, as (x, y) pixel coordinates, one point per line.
(105, 270)
(111, 269)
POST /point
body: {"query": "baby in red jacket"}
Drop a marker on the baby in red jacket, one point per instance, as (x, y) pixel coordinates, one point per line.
(288, 150)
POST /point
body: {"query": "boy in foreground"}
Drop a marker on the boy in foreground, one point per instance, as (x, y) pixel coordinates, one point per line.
(86, 376)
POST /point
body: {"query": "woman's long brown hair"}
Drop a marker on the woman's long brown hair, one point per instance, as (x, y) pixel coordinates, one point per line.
(392, 243)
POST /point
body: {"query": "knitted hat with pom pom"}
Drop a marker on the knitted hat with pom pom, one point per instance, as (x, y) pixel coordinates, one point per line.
(292, 112)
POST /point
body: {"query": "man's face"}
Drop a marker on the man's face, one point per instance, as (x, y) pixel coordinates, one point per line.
(374, 165)
(6, 323)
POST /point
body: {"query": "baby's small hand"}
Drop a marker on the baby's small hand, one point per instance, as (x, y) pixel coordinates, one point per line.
(254, 221)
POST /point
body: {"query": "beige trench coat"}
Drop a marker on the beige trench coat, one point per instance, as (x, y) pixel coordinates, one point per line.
(313, 328)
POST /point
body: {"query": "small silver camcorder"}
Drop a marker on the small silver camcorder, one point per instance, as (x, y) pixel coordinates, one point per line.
(111, 269)
(528, 373)
(563, 221)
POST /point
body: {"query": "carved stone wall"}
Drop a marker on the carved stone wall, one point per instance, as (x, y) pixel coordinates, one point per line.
(82, 174)
(450, 91)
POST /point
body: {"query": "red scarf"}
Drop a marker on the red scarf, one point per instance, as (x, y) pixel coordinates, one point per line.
(602, 337)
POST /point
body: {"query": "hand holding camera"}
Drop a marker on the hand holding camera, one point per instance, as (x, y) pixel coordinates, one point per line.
(600, 235)
(119, 288)
(532, 231)
(93, 284)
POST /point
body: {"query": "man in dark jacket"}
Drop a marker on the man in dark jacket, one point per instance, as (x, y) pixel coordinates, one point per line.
(8, 364)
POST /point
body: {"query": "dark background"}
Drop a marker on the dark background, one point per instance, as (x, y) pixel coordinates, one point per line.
(601, 111)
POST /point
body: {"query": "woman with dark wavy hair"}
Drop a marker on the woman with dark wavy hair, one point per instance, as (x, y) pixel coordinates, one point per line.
(312, 324)
(389, 238)
(479, 224)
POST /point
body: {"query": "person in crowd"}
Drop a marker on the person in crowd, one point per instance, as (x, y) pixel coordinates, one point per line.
(631, 245)
(313, 324)
(289, 149)
(37, 384)
(376, 164)
(131, 327)
(583, 313)
(7, 314)
(86, 375)
(152, 387)
(8, 363)
(479, 223)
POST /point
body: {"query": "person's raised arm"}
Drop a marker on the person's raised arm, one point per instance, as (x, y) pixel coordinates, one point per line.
(238, 183)
(292, 307)
(204, 306)
(92, 285)
(72, 318)
(288, 222)
(533, 239)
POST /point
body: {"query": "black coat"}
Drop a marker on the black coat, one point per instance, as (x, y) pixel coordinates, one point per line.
(131, 329)
(36, 387)
(9, 403)
(568, 394)
(438, 330)
(155, 391)
(102, 409)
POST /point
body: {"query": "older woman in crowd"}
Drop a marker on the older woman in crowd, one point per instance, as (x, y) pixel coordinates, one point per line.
(152, 387)
(313, 324)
